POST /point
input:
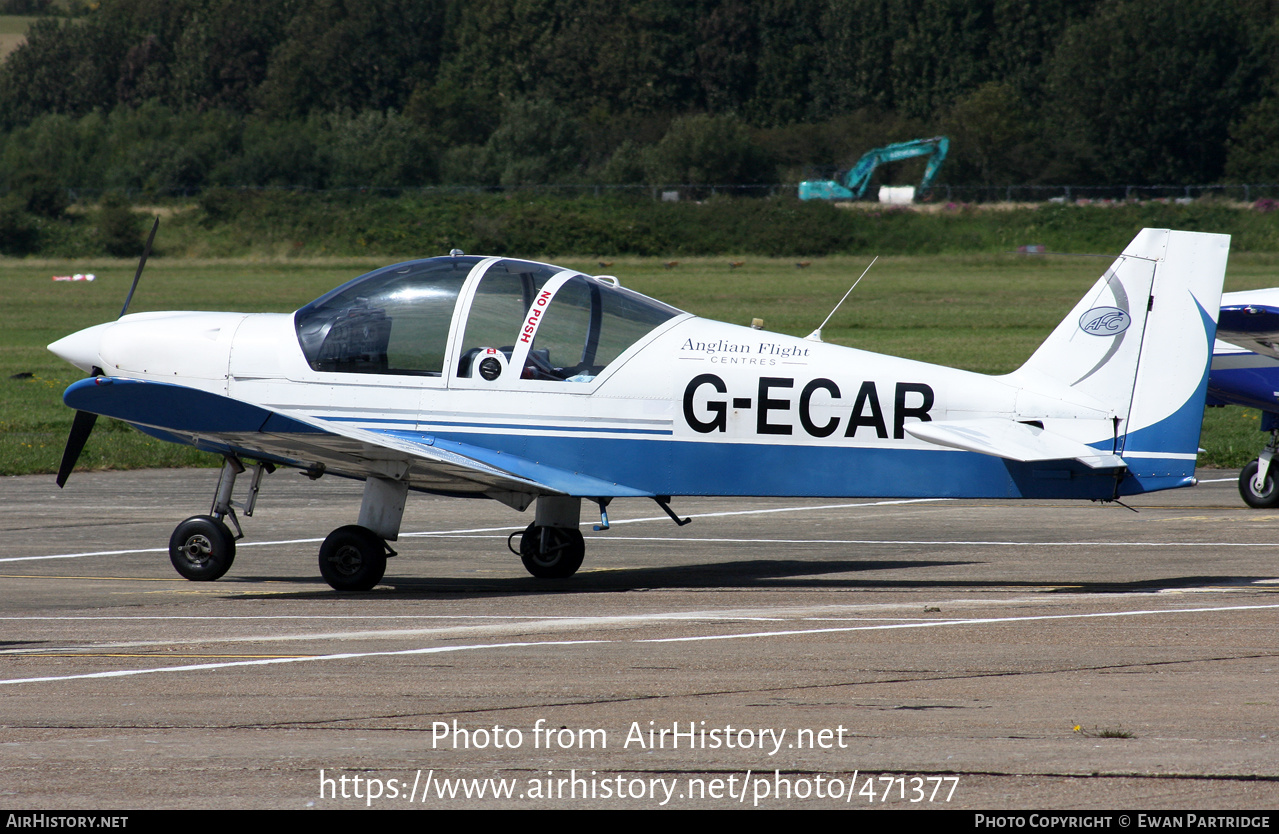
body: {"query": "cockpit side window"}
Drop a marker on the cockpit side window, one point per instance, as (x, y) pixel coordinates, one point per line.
(590, 323)
(498, 307)
(625, 318)
(562, 348)
(391, 321)
(536, 322)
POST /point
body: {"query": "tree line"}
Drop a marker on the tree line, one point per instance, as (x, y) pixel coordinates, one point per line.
(161, 95)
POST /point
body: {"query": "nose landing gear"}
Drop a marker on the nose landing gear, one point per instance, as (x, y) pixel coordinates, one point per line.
(202, 548)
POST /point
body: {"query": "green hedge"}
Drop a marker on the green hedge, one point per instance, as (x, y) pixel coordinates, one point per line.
(238, 223)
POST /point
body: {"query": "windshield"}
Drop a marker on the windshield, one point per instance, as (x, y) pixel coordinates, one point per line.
(394, 320)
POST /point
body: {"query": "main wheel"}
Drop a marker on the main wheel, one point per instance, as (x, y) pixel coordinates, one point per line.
(1267, 497)
(552, 552)
(201, 548)
(353, 558)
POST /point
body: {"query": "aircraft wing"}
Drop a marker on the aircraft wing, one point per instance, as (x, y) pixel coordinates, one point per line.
(1253, 327)
(1011, 440)
(222, 424)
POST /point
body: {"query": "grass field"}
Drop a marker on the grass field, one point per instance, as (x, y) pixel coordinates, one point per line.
(985, 313)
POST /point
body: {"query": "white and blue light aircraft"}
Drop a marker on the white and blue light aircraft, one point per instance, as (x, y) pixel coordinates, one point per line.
(532, 384)
(1245, 371)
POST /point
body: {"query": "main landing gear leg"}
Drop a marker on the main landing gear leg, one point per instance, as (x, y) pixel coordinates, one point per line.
(552, 547)
(202, 548)
(353, 558)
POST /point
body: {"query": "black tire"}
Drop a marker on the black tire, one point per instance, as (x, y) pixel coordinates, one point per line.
(353, 558)
(1268, 497)
(201, 548)
(552, 552)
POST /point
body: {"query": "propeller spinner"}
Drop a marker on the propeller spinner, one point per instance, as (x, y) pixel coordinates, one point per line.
(82, 425)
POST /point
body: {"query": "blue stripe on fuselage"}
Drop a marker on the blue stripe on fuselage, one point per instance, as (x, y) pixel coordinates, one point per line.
(679, 467)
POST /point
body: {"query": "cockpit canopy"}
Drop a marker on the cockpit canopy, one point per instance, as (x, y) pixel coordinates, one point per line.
(548, 322)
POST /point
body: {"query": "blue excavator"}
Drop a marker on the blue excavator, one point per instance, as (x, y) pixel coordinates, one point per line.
(853, 185)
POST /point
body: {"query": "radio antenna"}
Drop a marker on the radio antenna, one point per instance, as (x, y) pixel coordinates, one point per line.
(816, 335)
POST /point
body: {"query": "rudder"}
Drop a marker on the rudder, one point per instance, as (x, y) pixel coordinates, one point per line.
(1137, 348)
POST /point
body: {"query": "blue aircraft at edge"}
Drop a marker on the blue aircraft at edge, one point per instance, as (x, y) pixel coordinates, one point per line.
(536, 385)
(1245, 371)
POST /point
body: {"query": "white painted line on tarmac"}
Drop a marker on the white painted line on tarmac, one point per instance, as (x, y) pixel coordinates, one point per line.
(120, 673)
(469, 532)
(978, 621)
(953, 543)
(954, 622)
(82, 555)
(480, 534)
(605, 538)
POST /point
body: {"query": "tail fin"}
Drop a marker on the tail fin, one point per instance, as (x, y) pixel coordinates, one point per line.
(1138, 348)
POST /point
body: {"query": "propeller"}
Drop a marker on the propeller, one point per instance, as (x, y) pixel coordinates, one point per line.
(146, 252)
(80, 428)
(82, 425)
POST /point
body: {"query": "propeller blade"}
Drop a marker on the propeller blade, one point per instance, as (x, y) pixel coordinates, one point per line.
(82, 425)
(80, 430)
(146, 252)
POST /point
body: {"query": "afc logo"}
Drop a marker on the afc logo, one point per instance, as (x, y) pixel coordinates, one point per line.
(1104, 321)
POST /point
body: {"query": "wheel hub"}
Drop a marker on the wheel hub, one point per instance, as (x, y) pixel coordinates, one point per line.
(348, 560)
(198, 549)
(547, 548)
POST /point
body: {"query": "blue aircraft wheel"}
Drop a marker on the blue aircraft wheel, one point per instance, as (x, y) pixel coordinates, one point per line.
(1268, 496)
(353, 558)
(201, 548)
(552, 552)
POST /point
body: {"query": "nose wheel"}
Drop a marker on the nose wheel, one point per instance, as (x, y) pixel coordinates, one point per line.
(552, 552)
(353, 558)
(202, 548)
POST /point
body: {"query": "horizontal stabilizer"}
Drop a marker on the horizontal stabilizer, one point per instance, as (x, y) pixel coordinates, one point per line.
(1253, 327)
(1012, 440)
